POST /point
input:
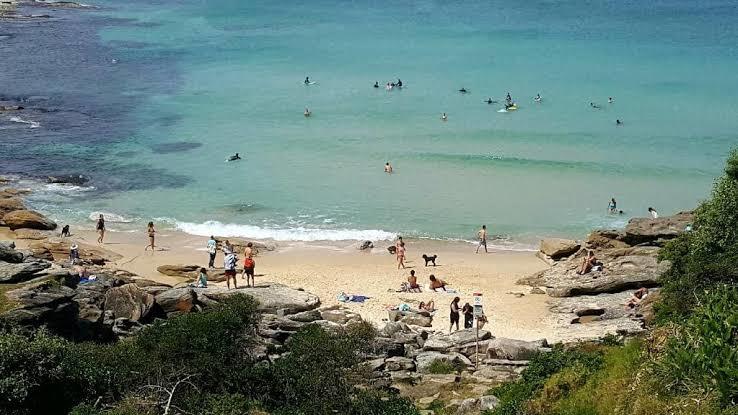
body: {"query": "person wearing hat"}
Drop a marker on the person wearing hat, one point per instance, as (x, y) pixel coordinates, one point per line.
(73, 254)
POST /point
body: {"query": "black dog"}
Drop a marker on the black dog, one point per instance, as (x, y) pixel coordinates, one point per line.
(65, 231)
(430, 259)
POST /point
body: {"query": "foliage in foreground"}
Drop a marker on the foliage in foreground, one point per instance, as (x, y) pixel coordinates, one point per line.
(196, 363)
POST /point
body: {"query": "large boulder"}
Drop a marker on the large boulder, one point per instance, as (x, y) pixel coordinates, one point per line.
(511, 349)
(397, 363)
(45, 304)
(179, 270)
(33, 234)
(60, 247)
(420, 318)
(647, 230)
(240, 244)
(129, 301)
(28, 219)
(9, 205)
(424, 360)
(623, 269)
(9, 254)
(19, 272)
(468, 335)
(606, 239)
(557, 248)
(273, 298)
(176, 300)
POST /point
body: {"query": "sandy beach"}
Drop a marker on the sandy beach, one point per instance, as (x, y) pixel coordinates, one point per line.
(328, 270)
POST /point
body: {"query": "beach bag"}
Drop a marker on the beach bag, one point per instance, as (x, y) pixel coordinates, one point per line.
(248, 263)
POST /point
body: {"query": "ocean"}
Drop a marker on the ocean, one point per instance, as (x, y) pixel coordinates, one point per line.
(148, 99)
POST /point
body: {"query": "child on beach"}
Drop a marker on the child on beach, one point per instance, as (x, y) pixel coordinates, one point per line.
(202, 279)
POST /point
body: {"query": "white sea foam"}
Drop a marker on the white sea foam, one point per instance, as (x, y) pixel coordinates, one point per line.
(290, 234)
(31, 124)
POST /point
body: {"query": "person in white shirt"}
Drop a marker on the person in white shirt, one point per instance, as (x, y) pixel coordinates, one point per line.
(212, 249)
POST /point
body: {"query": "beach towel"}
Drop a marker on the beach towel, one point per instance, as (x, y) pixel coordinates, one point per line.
(346, 298)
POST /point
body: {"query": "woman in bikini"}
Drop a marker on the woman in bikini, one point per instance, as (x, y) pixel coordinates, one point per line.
(401, 256)
(152, 234)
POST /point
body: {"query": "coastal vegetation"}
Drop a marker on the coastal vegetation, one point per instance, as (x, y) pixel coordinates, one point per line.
(198, 363)
(687, 363)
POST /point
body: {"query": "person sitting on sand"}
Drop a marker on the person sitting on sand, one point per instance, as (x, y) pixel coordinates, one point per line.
(412, 282)
(588, 262)
(468, 312)
(436, 284)
(430, 306)
(638, 296)
(202, 279)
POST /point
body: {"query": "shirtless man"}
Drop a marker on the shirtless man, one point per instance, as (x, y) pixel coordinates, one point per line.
(482, 235)
(248, 265)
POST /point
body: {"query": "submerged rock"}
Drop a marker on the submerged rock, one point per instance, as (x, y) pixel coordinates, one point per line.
(75, 179)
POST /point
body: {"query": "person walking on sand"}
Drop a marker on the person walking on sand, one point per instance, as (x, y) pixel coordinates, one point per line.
(100, 227)
(212, 249)
(229, 263)
(401, 255)
(249, 264)
(454, 314)
(397, 244)
(482, 235)
(152, 235)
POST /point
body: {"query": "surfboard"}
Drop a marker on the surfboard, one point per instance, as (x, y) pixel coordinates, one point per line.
(310, 83)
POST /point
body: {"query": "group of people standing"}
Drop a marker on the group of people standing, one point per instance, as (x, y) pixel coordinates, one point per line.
(230, 260)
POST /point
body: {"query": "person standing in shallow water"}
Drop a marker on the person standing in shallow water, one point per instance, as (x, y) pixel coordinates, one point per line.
(152, 234)
(100, 227)
(212, 249)
(482, 235)
(454, 315)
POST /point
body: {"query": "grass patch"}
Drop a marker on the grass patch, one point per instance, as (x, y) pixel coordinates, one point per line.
(442, 367)
(7, 304)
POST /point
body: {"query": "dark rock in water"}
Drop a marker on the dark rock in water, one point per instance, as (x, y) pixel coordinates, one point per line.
(24, 271)
(9, 254)
(176, 147)
(10, 107)
(76, 179)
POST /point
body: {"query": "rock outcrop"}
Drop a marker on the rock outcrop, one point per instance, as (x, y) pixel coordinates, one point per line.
(10, 204)
(622, 269)
(648, 230)
(9, 254)
(28, 219)
(420, 318)
(129, 301)
(272, 298)
(557, 248)
(60, 247)
(22, 271)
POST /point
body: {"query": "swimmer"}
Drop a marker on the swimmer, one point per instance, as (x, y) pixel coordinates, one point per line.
(618, 122)
(444, 117)
(307, 112)
(489, 101)
(307, 80)
(234, 157)
(537, 98)
(399, 83)
(609, 100)
(595, 106)
(387, 168)
(463, 90)
(508, 97)
(388, 87)
(376, 84)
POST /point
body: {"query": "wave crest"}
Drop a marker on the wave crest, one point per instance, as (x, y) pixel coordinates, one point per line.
(290, 234)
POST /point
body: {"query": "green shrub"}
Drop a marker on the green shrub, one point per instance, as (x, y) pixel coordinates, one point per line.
(442, 367)
(703, 356)
(708, 255)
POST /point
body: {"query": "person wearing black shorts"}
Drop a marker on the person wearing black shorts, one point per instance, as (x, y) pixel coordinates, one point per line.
(454, 314)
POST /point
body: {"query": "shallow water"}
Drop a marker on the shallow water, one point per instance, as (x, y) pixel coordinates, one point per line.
(150, 99)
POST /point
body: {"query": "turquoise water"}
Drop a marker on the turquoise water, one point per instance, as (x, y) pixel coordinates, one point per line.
(228, 77)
